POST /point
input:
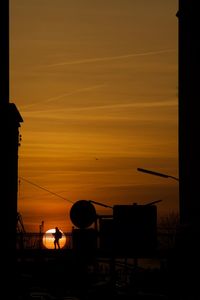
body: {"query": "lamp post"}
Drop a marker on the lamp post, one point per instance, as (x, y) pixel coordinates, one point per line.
(157, 173)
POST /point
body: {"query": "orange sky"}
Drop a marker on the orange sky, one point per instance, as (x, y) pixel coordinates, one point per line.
(94, 79)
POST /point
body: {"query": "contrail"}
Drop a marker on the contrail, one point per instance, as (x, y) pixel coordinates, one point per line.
(52, 99)
(109, 58)
(74, 92)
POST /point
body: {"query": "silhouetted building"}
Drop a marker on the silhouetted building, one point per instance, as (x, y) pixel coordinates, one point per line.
(106, 234)
(10, 120)
(134, 230)
(185, 262)
(189, 146)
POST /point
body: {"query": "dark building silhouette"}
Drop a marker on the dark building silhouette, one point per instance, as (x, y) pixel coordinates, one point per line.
(188, 76)
(10, 120)
(134, 230)
(185, 261)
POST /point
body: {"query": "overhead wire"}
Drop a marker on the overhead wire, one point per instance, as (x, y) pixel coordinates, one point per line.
(45, 189)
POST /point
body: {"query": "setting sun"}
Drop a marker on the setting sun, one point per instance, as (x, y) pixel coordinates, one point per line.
(48, 239)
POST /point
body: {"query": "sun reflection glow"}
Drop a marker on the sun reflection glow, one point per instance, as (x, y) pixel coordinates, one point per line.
(48, 239)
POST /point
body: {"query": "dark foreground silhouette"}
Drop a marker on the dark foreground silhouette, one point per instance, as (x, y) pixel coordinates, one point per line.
(57, 236)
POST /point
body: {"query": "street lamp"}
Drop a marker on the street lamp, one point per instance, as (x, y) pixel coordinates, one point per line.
(157, 173)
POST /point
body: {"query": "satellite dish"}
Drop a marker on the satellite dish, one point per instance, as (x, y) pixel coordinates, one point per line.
(82, 213)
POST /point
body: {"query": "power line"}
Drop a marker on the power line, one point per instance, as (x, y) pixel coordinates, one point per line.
(42, 188)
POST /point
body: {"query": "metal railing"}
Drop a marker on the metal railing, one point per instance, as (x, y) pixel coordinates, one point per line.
(33, 240)
(166, 238)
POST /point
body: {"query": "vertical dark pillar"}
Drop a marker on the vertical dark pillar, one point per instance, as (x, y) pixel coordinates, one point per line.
(186, 261)
(4, 51)
(189, 112)
(9, 126)
(9, 132)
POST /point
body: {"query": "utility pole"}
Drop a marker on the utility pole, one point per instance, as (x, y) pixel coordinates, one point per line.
(10, 120)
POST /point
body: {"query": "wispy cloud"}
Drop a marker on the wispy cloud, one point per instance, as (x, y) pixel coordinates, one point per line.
(167, 103)
(110, 58)
(129, 105)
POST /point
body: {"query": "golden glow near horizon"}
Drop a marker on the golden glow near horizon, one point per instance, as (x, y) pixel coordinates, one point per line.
(96, 84)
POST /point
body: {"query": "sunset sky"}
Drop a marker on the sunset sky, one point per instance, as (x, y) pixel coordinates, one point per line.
(96, 84)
